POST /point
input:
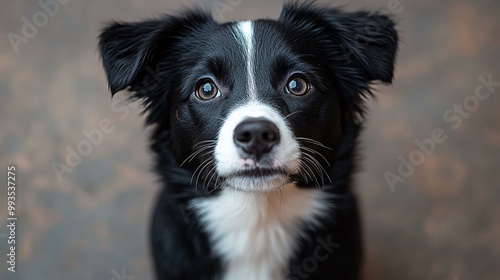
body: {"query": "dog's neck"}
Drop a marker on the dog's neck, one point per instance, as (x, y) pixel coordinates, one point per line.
(255, 232)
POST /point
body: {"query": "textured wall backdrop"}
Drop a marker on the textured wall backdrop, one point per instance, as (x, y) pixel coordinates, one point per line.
(437, 217)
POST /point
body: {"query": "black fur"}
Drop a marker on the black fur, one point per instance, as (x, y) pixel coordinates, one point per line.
(159, 61)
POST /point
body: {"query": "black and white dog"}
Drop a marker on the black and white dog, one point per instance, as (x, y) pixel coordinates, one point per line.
(254, 133)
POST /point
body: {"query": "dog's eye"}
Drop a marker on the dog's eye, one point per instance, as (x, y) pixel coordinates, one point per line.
(297, 86)
(207, 90)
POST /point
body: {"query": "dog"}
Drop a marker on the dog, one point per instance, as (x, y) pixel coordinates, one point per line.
(254, 134)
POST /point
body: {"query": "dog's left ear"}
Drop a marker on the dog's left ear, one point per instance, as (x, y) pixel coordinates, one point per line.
(365, 40)
(359, 47)
(369, 39)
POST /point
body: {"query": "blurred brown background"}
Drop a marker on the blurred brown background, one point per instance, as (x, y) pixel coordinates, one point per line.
(442, 221)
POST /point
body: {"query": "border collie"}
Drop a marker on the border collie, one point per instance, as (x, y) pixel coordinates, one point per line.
(254, 131)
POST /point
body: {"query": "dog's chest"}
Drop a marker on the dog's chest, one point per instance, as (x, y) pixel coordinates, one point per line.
(255, 234)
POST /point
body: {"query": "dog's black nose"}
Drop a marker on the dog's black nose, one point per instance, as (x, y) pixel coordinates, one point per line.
(256, 136)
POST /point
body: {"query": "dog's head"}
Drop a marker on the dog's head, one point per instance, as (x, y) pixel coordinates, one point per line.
(252, 105)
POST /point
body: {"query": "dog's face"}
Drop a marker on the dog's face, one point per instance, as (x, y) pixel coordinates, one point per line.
(252, 105)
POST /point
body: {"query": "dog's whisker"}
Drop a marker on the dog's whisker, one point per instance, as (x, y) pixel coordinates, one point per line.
(304, 177)
(195, 153)
(205, 141)
(318, 153)
(201, 170)
(216, 185)
(214, 173)
(311, 172)
(318, 166)
(198, 168)
(317, 173)
(305, 173)
(213, 187)
(190, 158)
(293, 113)
(301, 173)
(312, 141)
(204, 146)
(207, 153)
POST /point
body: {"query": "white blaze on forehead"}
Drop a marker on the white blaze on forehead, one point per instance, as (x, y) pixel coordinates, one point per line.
(244, 31)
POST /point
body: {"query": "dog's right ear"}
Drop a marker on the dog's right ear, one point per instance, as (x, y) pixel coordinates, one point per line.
(127, 49)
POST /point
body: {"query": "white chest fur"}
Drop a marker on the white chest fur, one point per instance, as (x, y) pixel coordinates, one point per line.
(255, 233)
